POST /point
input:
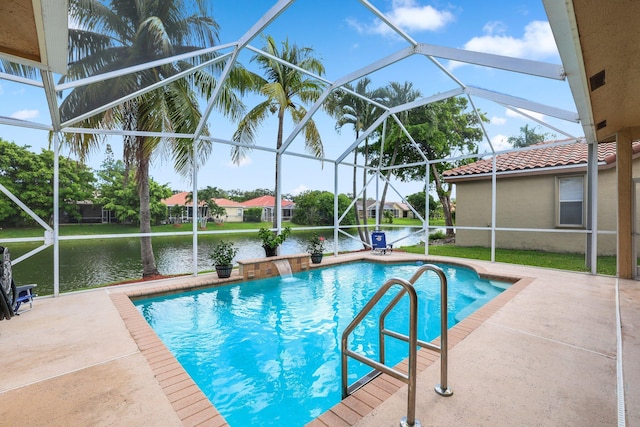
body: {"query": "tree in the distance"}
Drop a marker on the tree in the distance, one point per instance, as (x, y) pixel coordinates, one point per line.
(29, 177)
(442, 129)
(314, 207)
(528, 136)
(119, 194)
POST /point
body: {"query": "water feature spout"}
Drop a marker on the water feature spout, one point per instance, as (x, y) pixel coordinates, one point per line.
(284, 268)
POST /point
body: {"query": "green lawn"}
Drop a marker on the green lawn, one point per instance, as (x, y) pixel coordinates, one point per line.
(561, 261)
(88, 229)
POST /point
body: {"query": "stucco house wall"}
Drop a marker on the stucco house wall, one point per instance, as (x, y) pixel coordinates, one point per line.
(233, 213)
(529, 199)
(529, 202)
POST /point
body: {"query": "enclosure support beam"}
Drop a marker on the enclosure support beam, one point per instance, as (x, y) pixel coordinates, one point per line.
(494, 197)
(591, 255)
(624, 152)
(336, 219)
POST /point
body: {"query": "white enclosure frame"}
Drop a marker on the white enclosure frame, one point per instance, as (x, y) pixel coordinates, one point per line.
(229, 53)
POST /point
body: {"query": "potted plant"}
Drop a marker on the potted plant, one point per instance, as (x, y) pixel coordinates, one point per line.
(222, 255)
(271, 240)
(315, 248)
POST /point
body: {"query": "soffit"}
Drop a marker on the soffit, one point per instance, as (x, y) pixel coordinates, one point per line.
(35, 32)
(610, 44)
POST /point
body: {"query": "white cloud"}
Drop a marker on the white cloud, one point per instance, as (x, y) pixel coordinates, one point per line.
(299, 189)
(25, 114)
(500, 143)
(495, 120)
(409, 15)
(493, 27)
(511, 113)
(536, 43)
(245, 161)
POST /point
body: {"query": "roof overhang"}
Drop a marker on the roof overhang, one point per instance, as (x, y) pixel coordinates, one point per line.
(600, 50)
(35, 33)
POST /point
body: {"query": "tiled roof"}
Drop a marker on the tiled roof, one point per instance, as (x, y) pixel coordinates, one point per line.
(180, 199)
(226, 203)
(266, 202)
(542, 156)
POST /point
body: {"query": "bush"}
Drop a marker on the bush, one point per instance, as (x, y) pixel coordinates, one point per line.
(438, 235)
(252, 215)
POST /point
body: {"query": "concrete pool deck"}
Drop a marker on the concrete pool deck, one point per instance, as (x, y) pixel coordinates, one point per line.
(543, 353)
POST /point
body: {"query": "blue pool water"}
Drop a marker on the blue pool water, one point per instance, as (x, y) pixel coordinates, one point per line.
(267, 352)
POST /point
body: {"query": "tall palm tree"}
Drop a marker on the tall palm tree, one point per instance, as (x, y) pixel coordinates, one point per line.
(349, 109)
(397, 94)
(122, 33)
(287, 91)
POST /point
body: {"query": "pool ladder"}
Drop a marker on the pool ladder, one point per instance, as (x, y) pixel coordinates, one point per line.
(410, 377)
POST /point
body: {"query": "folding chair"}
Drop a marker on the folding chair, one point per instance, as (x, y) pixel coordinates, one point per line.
(379, 243)
(12, 296)
(24, 294)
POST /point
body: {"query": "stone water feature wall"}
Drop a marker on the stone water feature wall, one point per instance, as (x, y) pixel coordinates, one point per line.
(264, 267)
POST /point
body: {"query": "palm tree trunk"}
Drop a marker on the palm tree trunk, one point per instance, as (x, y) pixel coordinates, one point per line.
(355, 191)
(389, 173)
(276, 213)
(445, 200)
(146, 249)
(365, 212)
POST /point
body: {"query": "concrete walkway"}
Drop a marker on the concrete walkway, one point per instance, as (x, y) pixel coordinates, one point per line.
(546, 356)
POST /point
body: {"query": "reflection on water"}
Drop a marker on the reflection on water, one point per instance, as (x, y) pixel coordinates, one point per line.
(90, 263)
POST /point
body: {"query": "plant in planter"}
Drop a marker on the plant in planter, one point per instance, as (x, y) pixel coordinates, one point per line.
(271, 240)
(315, 248)
(222, 255)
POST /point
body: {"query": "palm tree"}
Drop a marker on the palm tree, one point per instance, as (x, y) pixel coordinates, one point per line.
(349, 109)
(287, 90)
(397, 94)
(209, 207)
(121, 34)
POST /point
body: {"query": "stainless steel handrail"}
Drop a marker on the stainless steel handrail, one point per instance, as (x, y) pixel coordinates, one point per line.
(443, 349)
(410, 377)
(412, 339)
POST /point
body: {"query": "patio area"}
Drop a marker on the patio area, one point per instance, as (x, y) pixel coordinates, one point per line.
(542, 353)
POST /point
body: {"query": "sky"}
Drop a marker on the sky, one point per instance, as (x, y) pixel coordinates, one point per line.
(346, 36)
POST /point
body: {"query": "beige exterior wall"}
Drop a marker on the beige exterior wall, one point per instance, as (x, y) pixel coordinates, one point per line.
(234, 214)
(531, 202)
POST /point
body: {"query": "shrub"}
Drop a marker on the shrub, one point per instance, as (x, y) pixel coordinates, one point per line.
(223, 253)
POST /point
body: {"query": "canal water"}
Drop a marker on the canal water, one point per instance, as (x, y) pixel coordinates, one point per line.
(91, 263)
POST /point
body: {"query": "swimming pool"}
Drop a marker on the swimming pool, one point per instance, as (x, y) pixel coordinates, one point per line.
(267, 352)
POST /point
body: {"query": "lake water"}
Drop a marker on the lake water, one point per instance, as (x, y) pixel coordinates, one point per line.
(91, 263)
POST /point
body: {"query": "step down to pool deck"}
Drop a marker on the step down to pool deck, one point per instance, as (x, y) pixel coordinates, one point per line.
(363, 381)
